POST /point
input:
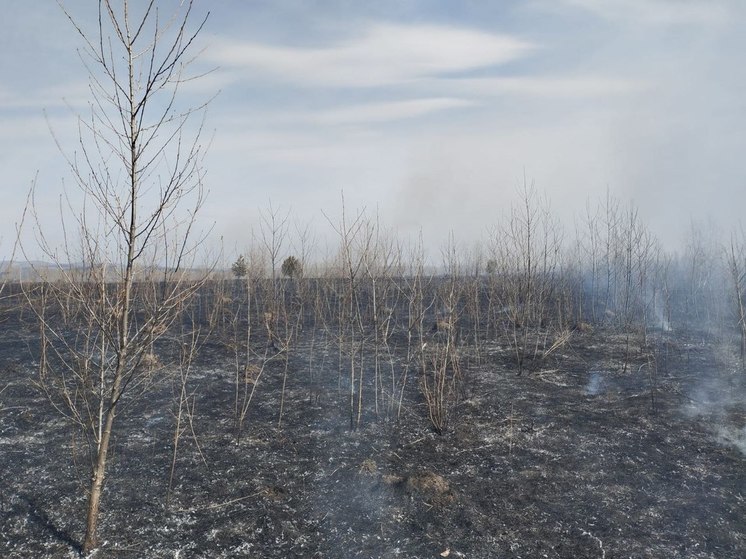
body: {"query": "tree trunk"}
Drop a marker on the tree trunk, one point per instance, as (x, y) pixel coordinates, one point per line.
(97, 482)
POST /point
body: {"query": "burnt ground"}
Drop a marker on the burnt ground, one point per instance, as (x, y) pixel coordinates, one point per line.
(573, 459)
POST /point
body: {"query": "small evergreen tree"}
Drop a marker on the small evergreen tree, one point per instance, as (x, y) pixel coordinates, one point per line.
(240, 267)
(291, 267)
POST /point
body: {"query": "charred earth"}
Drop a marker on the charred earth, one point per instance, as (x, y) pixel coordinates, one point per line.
(594, 451)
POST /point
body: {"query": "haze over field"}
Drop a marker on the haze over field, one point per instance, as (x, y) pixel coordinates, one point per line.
(428, 112)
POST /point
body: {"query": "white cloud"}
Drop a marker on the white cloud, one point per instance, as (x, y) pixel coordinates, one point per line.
(384, 54)
(548, 87)
(72, 94)
(388, 111)
(662, 12)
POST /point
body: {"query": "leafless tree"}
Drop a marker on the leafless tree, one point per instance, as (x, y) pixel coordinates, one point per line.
(528, 249)
(441, 374)
(736, 257)
(273, 227)
(416, 283)
(638, 247)
(380, 263)
(248, 311)
(589, 242)
(137, 169)
(355, 238)
(474, 298)
(702, 263)
(611, 255)
(185, 399)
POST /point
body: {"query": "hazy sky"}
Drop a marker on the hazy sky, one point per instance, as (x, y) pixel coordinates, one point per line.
(429, 112)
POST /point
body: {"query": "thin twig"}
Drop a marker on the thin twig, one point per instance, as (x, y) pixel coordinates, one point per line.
(218, 505)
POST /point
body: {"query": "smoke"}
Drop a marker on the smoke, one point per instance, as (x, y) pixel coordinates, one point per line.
(711, 397)
(732, 436)
(661, 317)
(720, 402)
(596, 384)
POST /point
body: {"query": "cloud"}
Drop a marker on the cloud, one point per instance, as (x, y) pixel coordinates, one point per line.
(547, 87)
(660, 12)
(388, 111)
(74, 95)
(384, 54)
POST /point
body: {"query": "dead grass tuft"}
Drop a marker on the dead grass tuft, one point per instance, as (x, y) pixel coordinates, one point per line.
(275, 493)
(368, 467)
(251, 373)
(433, 487)
(149, 361)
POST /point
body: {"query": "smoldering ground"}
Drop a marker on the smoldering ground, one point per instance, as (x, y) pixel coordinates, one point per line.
(551, 463)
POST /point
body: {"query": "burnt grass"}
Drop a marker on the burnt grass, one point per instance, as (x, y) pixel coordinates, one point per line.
(579, 456)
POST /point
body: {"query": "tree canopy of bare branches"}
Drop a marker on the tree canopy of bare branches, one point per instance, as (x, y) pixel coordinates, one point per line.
(129, 246)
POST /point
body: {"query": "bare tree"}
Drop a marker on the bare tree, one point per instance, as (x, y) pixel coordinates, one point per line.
(440, 363)
(246, 311)
(273, 227)
(589, 243)
(355, 240)
(612, 253)
(185, 400)
(736, 257)
(414, 287)
(528, 249)
(475, 307)
(379, 264)
(701, 280)
(137, 168)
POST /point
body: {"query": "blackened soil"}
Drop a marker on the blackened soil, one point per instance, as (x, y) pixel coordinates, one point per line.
(580, 457)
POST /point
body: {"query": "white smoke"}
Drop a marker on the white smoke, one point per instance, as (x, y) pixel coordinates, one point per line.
(712, 399)
(732, 436)
(596, 384)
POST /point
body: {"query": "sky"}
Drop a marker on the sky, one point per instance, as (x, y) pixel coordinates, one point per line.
(429, 114)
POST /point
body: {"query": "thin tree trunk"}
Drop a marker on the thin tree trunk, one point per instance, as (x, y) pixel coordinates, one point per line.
(99, 474)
